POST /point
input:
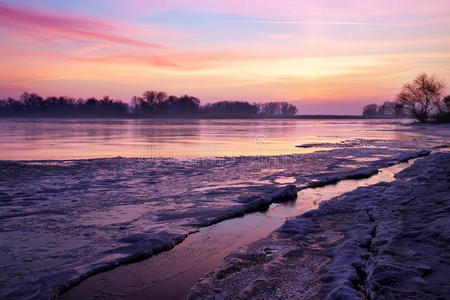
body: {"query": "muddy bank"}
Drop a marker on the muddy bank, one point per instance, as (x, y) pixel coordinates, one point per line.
(389, 240)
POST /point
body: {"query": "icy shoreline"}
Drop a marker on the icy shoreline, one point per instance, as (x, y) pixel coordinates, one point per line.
(119, 241)
(381, 241)
(144, 245)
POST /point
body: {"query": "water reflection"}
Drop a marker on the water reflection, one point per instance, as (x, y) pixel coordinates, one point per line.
(75, 139)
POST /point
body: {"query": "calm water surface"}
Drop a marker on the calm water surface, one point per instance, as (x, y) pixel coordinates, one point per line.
(29, 139)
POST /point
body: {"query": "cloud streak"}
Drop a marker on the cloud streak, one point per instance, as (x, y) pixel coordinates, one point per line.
(300, 22)
(69, 26)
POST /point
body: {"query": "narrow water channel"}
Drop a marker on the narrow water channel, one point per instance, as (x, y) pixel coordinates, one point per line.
(170, 274)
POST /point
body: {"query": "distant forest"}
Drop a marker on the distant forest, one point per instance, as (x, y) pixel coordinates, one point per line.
(387, 110)
(152, 104)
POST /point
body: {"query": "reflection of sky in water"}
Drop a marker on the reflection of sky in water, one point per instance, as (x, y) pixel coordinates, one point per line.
(285, 180)
(71, 139)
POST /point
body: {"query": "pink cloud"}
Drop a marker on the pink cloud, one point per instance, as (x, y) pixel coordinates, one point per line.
(170, 59)
(129, 59)
(180, 61)
(153, 60)
(68, 26)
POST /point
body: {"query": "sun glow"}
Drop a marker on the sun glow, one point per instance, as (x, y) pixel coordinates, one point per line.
(221, 50)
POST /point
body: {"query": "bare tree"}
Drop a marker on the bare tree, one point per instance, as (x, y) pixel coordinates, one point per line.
(399, 109)
(446, 101)
(420, 96)
(387, 110)
(443, 111)
(370, 110)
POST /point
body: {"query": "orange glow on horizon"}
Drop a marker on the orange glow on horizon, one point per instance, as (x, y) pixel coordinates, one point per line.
(256, 60)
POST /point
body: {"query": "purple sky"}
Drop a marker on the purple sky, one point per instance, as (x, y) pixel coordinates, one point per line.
(328, 57)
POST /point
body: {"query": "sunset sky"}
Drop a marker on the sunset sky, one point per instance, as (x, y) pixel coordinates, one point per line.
(325, 56)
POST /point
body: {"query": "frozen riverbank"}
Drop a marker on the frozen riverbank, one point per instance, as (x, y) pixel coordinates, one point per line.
(64, 220)
(170, 275)
(389, 240)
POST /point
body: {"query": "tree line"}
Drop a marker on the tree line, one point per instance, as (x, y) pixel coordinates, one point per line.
(152, 104)
(422, 99)
(388, 109)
